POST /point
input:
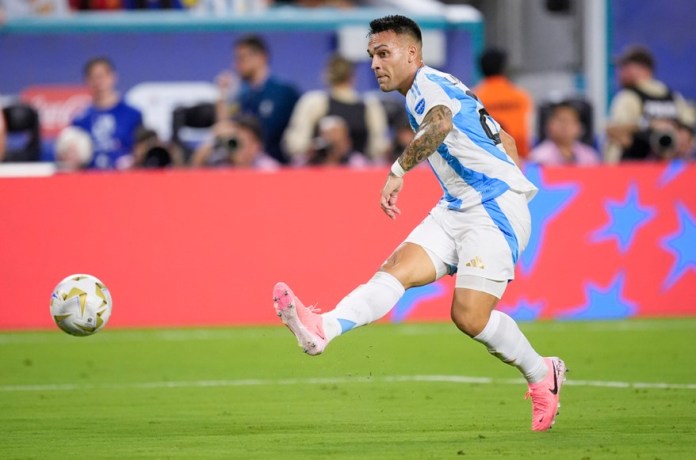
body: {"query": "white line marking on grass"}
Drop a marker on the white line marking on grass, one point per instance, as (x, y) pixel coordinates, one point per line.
(463, 379)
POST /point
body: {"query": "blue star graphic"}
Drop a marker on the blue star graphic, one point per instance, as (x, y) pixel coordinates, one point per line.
(683, 245)
(412, 298)
(524, 310)
(548, 203)
(625, 219)
(607, 303)
(672, 171)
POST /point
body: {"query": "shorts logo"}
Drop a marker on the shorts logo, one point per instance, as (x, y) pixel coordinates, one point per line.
(476, 262)
(420, 107)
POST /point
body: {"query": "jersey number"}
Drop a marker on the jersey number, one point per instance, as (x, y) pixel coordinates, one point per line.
(489, 126)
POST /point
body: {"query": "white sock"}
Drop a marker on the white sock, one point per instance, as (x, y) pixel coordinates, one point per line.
(505, 340)
(367, 303)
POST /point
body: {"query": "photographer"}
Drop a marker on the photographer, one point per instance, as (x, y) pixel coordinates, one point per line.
(236, 143)
(333, 145)
(644, 114)
(151, 153)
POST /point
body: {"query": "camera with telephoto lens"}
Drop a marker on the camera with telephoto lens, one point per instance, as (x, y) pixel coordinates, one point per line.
(230, 144)
(321, 148)
(662, 142)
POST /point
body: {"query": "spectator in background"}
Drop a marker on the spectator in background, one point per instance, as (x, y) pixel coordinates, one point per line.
(150, 152)
(508, 104)
(261, 94)
(96, 4)
(3, 136)
(223, 7)
(237, 143)
(333, 146)
(686, 147)
(73, 149)
(10, 9)
(562, 145)
(403, 135)
(644, 114)
(366, 117)
(111, 123)
(153, 4)
(323, 3)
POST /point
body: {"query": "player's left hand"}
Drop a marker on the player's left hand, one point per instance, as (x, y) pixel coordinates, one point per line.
(390, 193)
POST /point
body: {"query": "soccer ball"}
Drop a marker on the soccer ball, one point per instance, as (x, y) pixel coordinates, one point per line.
(81, 305)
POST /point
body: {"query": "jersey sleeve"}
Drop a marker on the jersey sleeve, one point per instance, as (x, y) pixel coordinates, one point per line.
(429, 94)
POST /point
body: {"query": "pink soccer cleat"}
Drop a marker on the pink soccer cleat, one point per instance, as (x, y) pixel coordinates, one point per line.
(302, 321)
(545, 395)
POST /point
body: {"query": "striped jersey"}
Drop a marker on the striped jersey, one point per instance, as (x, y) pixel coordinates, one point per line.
(471, 164)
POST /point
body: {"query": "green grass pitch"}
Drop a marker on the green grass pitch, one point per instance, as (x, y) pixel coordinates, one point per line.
(410, 391)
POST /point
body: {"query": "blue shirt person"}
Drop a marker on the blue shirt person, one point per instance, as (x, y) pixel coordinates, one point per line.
(110, 122)
(260, 94)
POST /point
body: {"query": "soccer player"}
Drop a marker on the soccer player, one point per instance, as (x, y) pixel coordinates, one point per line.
(477, 230)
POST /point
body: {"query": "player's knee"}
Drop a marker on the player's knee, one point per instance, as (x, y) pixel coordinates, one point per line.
(401, 275)
(398, 270)
(411, 265)
(469, 319)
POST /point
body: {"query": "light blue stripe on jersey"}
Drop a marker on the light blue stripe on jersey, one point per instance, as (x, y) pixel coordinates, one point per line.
(467, 121)
(489, 188)
(504, 225)
(411, 120)
(415, 89)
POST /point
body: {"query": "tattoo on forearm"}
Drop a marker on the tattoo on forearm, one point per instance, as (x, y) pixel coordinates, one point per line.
(432, 132)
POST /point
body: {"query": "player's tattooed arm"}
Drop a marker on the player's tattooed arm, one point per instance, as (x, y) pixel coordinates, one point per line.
(431, 133)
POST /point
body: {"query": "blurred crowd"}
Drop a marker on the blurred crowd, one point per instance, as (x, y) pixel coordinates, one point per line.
(262, 121)
(19, 8)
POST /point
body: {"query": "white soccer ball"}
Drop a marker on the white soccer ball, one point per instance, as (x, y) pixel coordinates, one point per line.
(81, 305)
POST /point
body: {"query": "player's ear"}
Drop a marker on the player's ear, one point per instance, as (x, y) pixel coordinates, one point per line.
(412, 53)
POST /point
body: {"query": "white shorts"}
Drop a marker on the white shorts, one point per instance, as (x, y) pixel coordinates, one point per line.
(484, 241)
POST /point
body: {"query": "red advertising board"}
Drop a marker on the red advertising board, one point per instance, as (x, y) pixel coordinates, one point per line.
(57, 105)
(205, 247)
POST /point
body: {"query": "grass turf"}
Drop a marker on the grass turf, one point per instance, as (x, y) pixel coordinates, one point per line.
(250, 393)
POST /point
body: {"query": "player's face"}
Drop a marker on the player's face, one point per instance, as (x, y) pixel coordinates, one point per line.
(393, 58)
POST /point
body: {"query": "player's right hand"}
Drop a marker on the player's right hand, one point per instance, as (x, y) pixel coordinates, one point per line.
(390, 194)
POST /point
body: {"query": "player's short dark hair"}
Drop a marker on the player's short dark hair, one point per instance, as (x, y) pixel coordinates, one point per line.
(95, 61)
(493, 62)
(254, 42)
(400, 25)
